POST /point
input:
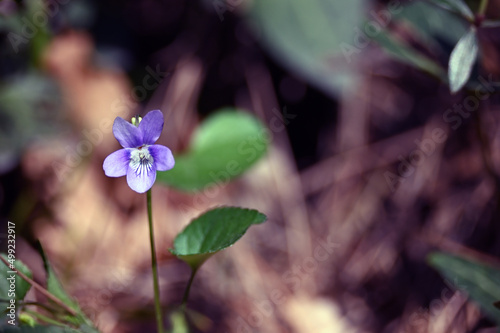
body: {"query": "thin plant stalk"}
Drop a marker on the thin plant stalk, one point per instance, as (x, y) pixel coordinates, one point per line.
(154, 266)
(188, 288)
(482, 7)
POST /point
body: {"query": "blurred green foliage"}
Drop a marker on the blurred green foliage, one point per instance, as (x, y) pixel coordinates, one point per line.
(224, 146)
(478, 280)
(308, 37)
(29, 110)
(54, 287)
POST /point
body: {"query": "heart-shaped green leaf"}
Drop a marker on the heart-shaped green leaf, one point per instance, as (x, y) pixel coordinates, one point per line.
(7, 276)
(480, 281)
(462, 59)
(213, 231)
(224, 146)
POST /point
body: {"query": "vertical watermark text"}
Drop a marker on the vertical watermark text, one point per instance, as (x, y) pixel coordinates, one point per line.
(11, 274)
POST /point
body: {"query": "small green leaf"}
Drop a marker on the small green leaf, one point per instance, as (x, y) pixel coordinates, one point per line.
(224, 146)
(457, 6)
(433, 29)
(21, 286)
(179, 323)
(27, 319)
(408, 55)
(462, 59)
(55, 287)
(480, 281)
(213, 231)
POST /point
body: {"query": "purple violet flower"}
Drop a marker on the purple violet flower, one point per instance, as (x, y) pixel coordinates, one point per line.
(140, 158)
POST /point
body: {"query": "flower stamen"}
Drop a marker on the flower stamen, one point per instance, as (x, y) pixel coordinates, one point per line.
(141, 161)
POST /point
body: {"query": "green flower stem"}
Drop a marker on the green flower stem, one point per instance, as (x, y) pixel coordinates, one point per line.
(188, 288)
(154, 266)
(482, 7)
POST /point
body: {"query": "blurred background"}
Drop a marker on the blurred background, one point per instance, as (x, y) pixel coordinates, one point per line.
(372, 164)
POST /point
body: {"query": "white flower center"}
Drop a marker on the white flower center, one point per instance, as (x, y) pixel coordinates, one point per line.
(141, 160)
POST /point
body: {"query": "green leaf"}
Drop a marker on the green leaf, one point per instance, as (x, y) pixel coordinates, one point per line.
(21, 286)
(224, 146)
(480, 281)
(55, 287)
(27, 319)
(213, 231)
(434, 29)
(179, 323)
(462, 59)
(315, 38)
(456, 6)
(40, 40)
(408, 55)
(30, 111)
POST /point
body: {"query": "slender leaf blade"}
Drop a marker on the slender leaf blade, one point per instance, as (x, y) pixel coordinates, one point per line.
(462, 60)
(213, 231)
(480, 281)
(433, 29)
(55, 287)
(457, 6)
(408, 55)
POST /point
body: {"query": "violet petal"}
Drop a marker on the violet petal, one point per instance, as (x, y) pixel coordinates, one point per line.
(162, 156)
(151, 126)
(127, 134)
(142, 181)
(116, 164)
